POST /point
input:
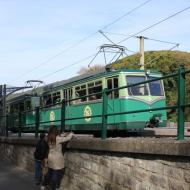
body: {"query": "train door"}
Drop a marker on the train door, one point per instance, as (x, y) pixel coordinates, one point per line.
(111, 84)
(113, 104)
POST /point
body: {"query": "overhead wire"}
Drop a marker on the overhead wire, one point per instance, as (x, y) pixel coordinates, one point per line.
(126, 14)
(162, 41)
(61, 69)
(82, 40)
(145, 37)
(155, 24)
(58, 54)
(130, 36)
(156, 58)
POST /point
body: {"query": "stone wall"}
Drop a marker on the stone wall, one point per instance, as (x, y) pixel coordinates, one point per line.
(95, 169)
(19, 155)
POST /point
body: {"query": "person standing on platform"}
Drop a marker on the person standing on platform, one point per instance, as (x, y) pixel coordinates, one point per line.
(40, 154)
(56, 163)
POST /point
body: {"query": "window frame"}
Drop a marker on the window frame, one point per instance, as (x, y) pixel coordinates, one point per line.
(113, 94)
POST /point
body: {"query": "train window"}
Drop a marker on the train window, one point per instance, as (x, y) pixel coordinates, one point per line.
(140, 90)
(83, 86)
(77, 88)
(21, 106)
(47, 99)
(156, 88)
(91, 84)
(56, 97)
(81, 92)
(68, 93)
(95, 88)
(65, 94)
(98, 82)
(28, 105)
(14, 108)
(113, 83)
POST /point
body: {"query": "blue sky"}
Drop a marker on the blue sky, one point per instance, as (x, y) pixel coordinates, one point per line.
(33, 32)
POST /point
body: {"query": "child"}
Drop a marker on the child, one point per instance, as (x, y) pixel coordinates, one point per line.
(40, 154)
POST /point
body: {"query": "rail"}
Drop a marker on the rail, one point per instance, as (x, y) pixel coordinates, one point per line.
(181, 106)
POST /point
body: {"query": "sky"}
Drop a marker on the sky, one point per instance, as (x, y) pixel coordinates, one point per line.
(51, 40)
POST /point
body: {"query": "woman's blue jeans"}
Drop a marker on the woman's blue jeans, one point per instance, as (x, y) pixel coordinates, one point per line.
(55, 177)
(38, 171)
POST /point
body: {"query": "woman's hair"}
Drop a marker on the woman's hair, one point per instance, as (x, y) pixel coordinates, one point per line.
(53, 132)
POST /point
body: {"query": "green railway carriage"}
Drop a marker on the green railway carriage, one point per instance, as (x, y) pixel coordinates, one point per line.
(144, 96)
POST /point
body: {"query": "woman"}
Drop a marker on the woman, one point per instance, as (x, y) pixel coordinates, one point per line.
(56, 161)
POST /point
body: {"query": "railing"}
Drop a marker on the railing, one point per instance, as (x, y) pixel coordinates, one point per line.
(180, 107)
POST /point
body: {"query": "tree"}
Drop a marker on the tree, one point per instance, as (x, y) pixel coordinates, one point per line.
(166, 62)
(84, 70)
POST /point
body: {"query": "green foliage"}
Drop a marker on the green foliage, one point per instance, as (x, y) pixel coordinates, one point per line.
(84, 70)
(166, 62)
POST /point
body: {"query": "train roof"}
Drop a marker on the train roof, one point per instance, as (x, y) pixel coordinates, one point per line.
(18, 97)
(98, 73)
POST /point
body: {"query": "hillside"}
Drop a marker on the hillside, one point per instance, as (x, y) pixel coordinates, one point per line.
(166, 62)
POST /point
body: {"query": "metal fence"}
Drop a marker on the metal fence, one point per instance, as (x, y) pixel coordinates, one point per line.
(181, 105)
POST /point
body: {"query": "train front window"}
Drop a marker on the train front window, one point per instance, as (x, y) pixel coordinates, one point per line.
(156, 88)
(139, 90)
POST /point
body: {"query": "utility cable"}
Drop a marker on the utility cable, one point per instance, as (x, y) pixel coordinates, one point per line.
(155, 24)
(75, 63)
(146, 38)
(162, 41)
(126, 14)
(58, 54)
(84, 39)
(156, 58)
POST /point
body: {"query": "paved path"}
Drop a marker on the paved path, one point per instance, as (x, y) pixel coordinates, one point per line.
(13, 178)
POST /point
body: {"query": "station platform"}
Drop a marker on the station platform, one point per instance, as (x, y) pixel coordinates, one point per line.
(14, 178)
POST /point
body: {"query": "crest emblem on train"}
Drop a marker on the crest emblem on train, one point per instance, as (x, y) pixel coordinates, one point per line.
(52, 116)
(87, 113)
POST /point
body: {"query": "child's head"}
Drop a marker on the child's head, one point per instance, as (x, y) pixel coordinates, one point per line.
(42, 136)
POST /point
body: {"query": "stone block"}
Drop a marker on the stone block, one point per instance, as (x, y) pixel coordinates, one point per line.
(127, 161)
(149, 186)
(106, 172)
(95, 167)
(130, 182)
(140, 174)
(183, 164)
(154, 166)
(158, 180)
(105, 162)
(139, 163)
(86, 164)
(177, 185)
(187, 176)
(126, 169)
(173, 172)
(112, 186)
